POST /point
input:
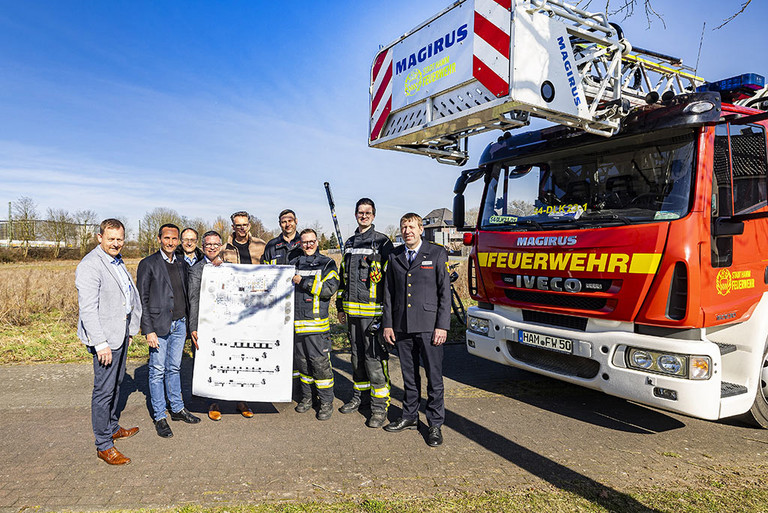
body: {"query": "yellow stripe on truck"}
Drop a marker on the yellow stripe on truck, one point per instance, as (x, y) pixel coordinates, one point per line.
(623, 263)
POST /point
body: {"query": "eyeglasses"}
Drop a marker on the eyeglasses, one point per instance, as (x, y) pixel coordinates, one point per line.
(189, 240)
(365, 214)
(241, 226)
(212, 245)
(308, 242)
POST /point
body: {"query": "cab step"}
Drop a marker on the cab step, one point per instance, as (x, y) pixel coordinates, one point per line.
(726, 348)
(731, 389)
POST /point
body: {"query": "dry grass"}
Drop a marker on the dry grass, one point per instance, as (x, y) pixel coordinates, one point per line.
(38, 313)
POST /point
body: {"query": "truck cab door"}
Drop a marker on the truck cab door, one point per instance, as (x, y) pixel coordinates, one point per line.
(733, 277)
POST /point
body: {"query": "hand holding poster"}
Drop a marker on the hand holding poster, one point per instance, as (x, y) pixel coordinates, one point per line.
(245, 333)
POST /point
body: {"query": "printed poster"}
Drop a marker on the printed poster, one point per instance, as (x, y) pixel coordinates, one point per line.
(245, 333)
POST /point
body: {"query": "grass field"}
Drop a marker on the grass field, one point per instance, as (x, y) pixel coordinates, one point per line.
(38, 315)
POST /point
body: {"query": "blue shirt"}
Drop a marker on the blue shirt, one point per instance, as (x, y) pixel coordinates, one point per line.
(126, 283)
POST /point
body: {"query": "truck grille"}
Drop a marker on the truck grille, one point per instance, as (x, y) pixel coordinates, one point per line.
(564, 364)
(562, 321)
(561, 300)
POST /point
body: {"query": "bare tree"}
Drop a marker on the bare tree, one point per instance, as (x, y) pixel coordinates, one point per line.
(521, 208)
(392, 231)
(24, 214)
(57, 228)
(223, 225)
(151, 223)
(85, 219)
(626, 8)
(259, 230)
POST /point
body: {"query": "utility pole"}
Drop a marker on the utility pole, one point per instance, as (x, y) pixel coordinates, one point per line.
(10, 225)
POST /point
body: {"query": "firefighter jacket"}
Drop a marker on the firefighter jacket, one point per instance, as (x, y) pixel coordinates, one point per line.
(319, 282)
(279, 252)
(361, 292)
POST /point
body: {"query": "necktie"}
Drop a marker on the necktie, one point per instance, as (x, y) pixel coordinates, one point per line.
(411, 256)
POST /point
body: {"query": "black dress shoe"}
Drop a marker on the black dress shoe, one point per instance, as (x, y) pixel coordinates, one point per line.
(400, 424)
(163, 429)
(184, 415)
(434, 437)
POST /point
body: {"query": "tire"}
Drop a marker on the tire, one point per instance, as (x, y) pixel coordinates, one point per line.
(758, 413)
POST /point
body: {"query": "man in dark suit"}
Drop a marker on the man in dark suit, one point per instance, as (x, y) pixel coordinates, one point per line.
(110, 310)
(417, 316)
(162, 282)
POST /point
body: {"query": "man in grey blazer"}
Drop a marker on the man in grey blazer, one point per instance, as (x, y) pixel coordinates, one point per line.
(110, 313)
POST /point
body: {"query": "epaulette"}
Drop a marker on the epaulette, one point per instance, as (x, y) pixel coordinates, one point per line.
(436, 244)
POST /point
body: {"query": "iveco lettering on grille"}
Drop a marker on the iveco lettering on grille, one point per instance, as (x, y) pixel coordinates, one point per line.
(556, 283)
(547, 241)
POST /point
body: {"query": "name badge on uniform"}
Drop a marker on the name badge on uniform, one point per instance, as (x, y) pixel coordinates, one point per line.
(427, 262)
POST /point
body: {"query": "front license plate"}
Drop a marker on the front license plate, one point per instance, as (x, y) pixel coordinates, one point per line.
(561, 345)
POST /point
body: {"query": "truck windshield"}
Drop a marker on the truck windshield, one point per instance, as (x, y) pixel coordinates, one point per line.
(637, 179)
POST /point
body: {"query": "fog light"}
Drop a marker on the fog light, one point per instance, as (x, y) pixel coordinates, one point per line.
(670, 363)
(665, 393)
(642, 359)
(479, 326)
(700, 367)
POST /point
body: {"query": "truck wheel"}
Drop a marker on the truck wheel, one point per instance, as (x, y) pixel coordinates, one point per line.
(758, 414)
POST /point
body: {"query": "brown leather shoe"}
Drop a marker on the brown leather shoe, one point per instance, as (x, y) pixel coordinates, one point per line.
(124, 433)
(244, 410)
(113, 456)
(213, 412)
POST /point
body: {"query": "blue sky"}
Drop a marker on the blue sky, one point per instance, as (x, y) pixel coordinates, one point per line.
(211, 107)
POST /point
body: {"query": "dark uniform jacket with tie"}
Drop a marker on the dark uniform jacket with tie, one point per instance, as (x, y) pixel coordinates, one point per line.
(417, 295)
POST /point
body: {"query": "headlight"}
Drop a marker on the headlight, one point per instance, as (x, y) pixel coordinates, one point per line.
(642, 359)
(670, 363)
(681, 366)
(479, 326)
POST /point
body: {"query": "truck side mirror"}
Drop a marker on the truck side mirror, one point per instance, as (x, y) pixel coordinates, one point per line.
(726, 227)
(458, 211)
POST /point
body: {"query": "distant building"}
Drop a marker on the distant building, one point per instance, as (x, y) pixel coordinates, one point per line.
(438, 227)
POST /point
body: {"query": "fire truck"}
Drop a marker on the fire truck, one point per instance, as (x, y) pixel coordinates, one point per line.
(625, 247)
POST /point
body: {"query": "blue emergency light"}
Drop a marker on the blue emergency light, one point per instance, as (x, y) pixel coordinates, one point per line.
(735, 88)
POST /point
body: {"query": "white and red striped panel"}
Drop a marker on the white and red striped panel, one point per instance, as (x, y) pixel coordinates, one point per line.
(491, 49)
(381, 92)
(492, 45)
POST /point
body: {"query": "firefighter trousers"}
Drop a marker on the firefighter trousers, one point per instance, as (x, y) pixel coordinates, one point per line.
(312, 359)
(369, 363)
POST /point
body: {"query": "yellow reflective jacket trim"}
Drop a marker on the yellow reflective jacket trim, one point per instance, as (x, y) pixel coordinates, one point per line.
(307, 379)
(363, 309)
(312, 326)
(380, 392)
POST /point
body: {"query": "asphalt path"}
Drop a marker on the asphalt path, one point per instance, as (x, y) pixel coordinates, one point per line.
(505, 430)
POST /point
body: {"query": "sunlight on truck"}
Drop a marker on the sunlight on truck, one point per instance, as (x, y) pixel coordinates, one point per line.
(624, 249)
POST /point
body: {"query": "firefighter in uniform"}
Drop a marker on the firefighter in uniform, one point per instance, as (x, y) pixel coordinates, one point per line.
(417, 315)
(359, 303)
(285, 247)
(316, 282)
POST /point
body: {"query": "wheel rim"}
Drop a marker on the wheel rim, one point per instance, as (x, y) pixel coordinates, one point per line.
(764, 379)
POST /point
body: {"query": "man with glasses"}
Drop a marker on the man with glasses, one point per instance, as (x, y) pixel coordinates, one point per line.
(285, 247)
(212, 248)
(188, 249)
(242, 247)
(316, 281)
(359, 303)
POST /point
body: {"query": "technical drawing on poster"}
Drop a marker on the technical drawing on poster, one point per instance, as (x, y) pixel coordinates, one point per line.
(245, 333)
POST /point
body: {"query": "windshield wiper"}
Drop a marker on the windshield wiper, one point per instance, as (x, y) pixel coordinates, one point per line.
(605, 217)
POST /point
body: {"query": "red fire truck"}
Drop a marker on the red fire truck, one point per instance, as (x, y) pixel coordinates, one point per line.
(624, 249)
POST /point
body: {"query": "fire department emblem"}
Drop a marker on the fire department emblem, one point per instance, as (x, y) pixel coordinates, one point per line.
(723, 282)
(375, 272)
